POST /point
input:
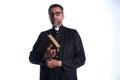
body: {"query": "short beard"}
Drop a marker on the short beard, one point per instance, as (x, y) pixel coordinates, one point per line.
(57, 24)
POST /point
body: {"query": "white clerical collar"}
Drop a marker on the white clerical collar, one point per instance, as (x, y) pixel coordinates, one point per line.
(56, 28)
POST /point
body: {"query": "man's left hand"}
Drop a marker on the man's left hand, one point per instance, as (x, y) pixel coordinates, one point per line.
(52, 63)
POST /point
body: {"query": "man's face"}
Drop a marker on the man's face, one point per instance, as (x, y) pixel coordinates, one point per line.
(56, 16)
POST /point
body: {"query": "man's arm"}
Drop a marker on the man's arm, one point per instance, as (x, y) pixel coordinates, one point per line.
(79, 55)
(34, 57)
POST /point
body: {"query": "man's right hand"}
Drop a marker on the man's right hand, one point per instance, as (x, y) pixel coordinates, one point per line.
(50, 53)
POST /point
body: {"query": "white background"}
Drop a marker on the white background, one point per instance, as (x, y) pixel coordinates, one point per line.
(97, 21)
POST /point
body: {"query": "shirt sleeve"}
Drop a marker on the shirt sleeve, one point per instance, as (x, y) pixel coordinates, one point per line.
(79, 55)
(35, 57)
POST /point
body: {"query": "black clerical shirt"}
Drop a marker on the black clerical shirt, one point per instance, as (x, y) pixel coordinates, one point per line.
(71, 54)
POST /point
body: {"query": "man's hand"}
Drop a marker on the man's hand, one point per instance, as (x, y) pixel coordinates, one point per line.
(50, 53)
(52, 63)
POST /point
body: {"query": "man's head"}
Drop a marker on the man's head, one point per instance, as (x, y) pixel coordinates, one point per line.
(56, 15)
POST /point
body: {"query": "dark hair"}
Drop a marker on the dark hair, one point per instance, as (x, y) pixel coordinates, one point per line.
(55, 5)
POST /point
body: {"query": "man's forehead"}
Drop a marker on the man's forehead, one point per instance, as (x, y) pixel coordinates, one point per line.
(55, 9)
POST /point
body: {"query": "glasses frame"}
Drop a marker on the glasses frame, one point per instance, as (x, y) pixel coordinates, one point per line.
(55, 13)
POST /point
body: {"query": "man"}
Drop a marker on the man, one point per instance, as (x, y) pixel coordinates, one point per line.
(70, 56)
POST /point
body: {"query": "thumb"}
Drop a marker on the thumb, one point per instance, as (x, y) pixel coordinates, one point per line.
(50, 46)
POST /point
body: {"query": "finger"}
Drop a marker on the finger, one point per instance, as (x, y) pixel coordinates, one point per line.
(53, 54)
(53, 50)
(58, 50)
(50, 46)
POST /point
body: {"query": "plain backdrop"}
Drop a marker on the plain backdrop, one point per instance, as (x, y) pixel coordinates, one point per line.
(97, 22)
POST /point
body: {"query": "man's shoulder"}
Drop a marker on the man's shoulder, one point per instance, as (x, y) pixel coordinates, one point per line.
(66, 29)
(46, 31)
(70, 29)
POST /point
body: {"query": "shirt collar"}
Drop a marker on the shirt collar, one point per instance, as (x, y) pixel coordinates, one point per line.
(57, 28)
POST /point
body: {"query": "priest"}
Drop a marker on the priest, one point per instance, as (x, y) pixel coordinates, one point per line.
(65, 60)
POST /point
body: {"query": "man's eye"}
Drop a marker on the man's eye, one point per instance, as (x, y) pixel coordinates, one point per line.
(55, 13)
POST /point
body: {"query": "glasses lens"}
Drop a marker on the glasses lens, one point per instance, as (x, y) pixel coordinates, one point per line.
(55, 13)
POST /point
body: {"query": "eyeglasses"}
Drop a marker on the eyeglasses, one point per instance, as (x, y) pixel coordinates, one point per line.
(55, 13)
